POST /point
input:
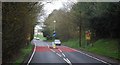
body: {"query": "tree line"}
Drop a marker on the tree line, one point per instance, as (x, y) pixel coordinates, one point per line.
(18, 22)
(101, 18)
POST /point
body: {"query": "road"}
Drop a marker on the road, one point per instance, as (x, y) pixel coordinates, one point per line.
(45, 54)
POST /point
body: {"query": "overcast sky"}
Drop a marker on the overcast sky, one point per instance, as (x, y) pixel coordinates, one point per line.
(49, 6)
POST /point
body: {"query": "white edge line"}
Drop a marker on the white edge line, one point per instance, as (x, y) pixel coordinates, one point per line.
(90, 56)
(96, 58)
(32, 55)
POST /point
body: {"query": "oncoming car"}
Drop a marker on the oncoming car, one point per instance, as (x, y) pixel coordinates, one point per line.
(57, 42)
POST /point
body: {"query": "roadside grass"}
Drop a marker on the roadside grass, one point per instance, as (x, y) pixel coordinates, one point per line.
(24, 52)
(74, 43)
(104, 47)
(49, 40)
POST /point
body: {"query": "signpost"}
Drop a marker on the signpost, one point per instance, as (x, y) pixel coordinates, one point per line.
(88, 36)
(54, 34)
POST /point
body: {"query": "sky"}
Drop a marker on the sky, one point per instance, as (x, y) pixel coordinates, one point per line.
(50, 5)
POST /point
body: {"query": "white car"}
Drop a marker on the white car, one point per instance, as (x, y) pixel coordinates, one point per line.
(57, 42)
(37, 38)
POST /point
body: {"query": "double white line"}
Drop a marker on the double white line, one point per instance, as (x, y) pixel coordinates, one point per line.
(64, 57)
(67, 60)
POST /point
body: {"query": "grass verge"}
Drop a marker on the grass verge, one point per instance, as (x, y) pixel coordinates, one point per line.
(24, 52)
(73, 43)
(50, 40)
(104, 47)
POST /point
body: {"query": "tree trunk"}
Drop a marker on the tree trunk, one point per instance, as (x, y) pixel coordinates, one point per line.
(80, 32)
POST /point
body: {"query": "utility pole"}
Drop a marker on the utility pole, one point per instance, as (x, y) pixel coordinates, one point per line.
(54, 29)
(80, 33)
(54, 25)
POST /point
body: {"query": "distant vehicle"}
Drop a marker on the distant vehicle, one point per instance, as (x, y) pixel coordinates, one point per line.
(57, 42)
(37, 38)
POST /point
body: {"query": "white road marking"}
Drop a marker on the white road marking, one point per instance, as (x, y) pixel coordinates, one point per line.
(63, 54)
(90, 56)
(52, 50)
(68, 61)
(32, 55)
(65, 59)
(58, 54)
(59, 50)
(96, 58)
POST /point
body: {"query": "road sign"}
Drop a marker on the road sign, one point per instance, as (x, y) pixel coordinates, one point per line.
(88, 35)
(54, 34)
